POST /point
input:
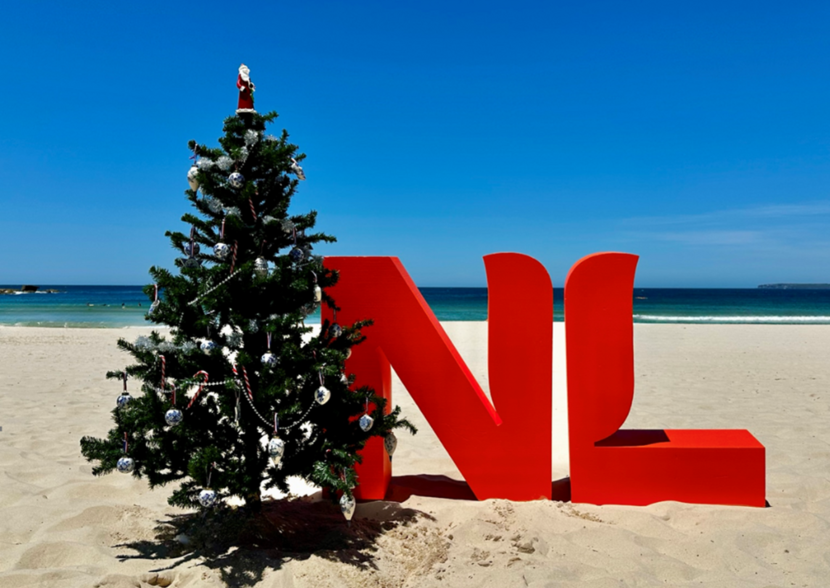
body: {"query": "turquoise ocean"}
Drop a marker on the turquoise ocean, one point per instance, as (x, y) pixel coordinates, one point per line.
(122, 306)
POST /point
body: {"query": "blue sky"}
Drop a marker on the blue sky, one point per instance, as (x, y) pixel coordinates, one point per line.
(693, 135)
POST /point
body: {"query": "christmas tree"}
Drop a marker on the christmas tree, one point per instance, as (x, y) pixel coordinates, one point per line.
(241, 393)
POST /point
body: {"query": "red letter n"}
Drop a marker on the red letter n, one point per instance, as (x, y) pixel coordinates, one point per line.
(502, 449)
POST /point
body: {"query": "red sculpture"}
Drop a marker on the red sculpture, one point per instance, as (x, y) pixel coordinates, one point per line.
(609, 465)
(503, 451)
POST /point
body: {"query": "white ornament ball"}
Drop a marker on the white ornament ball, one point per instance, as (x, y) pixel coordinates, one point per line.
(207, 497)
(322, 395)
(221, 250)
(123, 400)
(390, 442)
(366, 422)
(191, 178)
(347, 506)
(276, 449)
(269, 359)
(318, 293)
(236, 180)
(125, 465)
(207, 345)
(261, 267)
(173, 417)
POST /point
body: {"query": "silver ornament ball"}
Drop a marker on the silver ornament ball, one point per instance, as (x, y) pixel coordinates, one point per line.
(123, 400)
(207, 497)
(173, 417)
(236, 180)
(261, 267)
(125, 465)
(221, 250)
(347, 506)
(322, 395)
(366, 422)
(269, 359)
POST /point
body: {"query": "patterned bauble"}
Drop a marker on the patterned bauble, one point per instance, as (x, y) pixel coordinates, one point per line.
(207, 345)
(366, 422)
(236, 180)
(221, 250)
(390, 442)
(125, 465)
(269, 359)
(296, 255)
(347, 506)
(276, 449)
(322, 395)
(318, 293)
(191, 249)
(335, 330)
(173, 417)
(261, 267)
(207, 497)
(123, 400)
(192, 179)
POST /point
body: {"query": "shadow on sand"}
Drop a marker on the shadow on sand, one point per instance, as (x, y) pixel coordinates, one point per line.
(241, 546)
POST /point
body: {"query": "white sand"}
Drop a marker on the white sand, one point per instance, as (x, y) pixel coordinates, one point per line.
(60, 526)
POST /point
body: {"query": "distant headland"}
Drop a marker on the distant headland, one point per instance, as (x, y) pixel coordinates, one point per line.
(795, 286)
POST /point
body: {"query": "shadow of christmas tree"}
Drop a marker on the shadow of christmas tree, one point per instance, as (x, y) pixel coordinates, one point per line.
(241, 545)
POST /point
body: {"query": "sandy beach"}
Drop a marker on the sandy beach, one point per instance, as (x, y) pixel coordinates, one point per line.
(62, 527)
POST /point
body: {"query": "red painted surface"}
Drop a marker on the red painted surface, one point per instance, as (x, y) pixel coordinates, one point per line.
(503, 448)
(615, 466)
